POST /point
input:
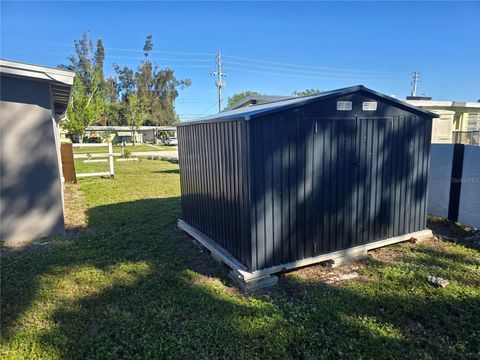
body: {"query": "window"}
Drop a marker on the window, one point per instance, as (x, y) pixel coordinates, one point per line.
(473, 123)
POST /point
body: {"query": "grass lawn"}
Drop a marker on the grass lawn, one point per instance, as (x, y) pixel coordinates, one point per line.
(118, 148)
(126, 284)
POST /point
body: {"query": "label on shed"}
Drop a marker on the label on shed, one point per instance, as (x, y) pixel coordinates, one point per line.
(344, 105)
(369, 106)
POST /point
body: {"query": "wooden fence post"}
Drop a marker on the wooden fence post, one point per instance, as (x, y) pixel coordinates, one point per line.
(68, 164)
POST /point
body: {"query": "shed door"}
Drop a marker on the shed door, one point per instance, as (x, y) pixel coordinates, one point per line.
(350, 173)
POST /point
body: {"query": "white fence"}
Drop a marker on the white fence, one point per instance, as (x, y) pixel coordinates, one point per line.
(469, 210)
(454, 183)
(110, 159)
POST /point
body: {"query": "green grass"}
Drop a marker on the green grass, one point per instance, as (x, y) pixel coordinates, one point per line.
(118, 149)
(132, 286)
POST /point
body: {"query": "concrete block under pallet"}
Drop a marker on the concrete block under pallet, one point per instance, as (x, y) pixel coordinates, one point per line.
(255, 283)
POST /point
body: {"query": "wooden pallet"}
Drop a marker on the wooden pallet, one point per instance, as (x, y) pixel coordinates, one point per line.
(253, 280)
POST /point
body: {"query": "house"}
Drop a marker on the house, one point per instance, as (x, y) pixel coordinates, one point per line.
(32, 99)
(118, 134)
(255, 99)
(459, 121)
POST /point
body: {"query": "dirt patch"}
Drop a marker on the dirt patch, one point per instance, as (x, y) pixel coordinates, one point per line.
(447, 229)
(322, 273)
(388, 254)
(75, 210)
(454, 232)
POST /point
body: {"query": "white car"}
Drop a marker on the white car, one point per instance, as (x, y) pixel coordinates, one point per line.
(171, 141)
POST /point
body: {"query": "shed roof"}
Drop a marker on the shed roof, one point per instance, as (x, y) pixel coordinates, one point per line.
(264, 109)
(61, 80)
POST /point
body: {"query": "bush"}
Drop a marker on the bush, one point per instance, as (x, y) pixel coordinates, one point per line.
(126, 153)
(92, 140)
(95, 140)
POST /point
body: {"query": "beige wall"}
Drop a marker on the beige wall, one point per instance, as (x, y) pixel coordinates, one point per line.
(442, 127)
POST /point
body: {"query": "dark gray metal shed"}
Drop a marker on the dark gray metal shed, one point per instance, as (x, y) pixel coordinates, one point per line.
(299, 181)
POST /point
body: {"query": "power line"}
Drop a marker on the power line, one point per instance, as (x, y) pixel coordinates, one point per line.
(305, 66)
(163, 52)
(154, 58)
(306, 71)
(196, 115)
(298, 76)
(162, 60)
(113, 48)
(200, 101)
(433, 78)
(166, 65)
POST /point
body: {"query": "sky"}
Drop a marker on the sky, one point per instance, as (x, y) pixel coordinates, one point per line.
(274, 48)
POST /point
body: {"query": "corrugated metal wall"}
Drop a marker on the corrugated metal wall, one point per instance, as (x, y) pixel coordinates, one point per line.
(292, 185)
(320, 185)
(214, 183)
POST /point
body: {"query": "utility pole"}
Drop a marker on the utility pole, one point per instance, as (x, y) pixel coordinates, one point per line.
(416, 76)
(219, 83)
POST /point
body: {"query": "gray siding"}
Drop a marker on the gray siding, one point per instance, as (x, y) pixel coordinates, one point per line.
(214, 183)
(31, 189)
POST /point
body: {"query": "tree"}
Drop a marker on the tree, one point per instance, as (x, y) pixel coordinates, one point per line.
(112, 111)
(307, 92)
(240, 96)
(135, 112)
(108, 101)
(156, 87)
(83, 110)
(87, 101)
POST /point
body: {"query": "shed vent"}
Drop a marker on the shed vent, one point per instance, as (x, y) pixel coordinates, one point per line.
(369, 106)
(344, 105)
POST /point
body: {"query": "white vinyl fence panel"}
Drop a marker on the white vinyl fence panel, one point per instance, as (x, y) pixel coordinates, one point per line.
(469, 211)
(439, 179)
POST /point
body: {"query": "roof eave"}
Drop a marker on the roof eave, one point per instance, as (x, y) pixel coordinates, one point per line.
(42, 73)
(313, 98)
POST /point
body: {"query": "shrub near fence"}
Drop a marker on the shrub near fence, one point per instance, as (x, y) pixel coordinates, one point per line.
(454, 183)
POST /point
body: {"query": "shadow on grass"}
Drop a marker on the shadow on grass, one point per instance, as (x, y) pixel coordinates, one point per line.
(170, 171)
(453, 232)
(138, 287)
